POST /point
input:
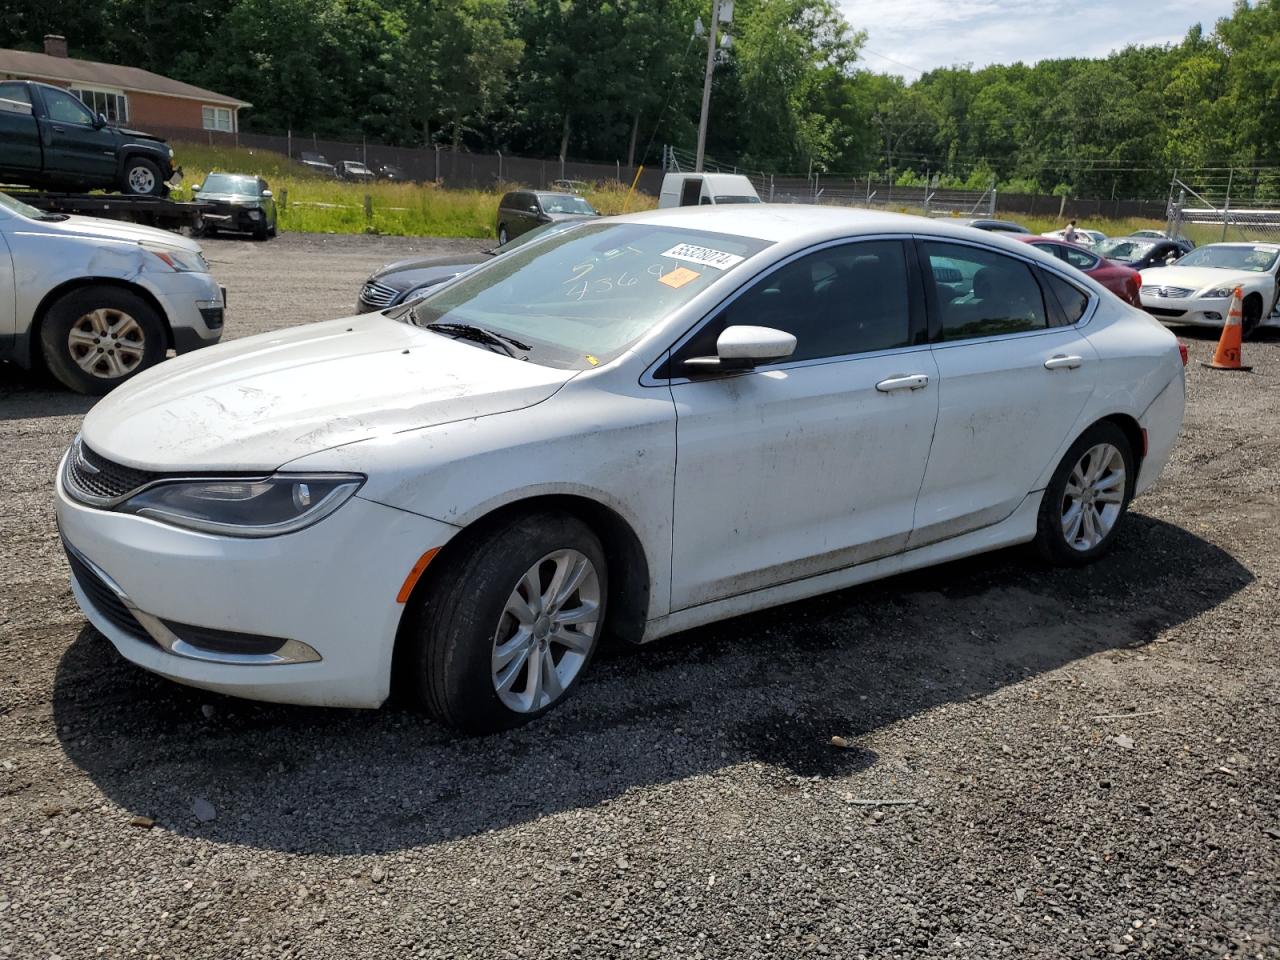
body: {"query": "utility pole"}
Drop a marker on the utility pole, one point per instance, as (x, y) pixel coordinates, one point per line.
(706, 84)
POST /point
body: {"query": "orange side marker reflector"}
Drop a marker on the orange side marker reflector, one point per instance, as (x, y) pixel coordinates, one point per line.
(415, 574)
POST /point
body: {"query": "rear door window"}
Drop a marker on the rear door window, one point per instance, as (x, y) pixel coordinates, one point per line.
(981, 293)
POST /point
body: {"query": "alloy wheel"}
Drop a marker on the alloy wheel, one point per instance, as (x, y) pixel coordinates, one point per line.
(546, 631)
(1094, 497)
(106, 343)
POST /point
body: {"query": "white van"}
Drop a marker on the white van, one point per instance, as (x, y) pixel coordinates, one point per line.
(693, 189)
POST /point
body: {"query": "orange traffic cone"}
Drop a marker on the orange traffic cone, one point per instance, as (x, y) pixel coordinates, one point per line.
(1227, 356)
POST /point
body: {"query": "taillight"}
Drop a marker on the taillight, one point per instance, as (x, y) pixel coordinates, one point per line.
(1182, 349)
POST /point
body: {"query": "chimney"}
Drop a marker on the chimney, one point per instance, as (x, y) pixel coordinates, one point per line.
(55, 45)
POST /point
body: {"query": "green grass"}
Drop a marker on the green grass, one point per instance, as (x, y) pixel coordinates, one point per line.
(308, 202)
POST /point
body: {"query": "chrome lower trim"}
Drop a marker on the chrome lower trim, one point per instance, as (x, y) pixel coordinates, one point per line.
(293, 651)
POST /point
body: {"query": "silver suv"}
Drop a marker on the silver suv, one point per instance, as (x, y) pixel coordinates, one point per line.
(96, 301)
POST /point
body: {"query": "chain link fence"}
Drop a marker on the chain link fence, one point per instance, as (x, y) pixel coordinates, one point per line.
(1208, 213)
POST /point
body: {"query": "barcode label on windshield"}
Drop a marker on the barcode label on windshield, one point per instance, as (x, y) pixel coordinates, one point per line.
(717, 259)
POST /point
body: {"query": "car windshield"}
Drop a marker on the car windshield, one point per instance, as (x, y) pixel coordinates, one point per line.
(230, 183)
(563, 203)
(1232, 257)
(1124, 250)
(584, 296)
(26, 210)
(737, 199)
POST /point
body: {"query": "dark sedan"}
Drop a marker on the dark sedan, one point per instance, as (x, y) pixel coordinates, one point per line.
(996, 226)
(406, 280)
(1139, 253)
(237, 201)
(522, 210)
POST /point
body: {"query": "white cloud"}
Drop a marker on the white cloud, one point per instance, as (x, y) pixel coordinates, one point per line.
(930, 33)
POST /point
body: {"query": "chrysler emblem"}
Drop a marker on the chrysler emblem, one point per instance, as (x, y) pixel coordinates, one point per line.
(82, 463)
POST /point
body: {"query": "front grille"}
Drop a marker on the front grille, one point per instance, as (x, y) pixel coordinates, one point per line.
(1166, 292)
(94, 479)
(1165, 312)
(104, 599)
(378, 295)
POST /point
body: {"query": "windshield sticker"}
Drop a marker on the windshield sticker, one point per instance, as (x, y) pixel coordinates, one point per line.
(703, 255)
(678, 277)
(592, 360)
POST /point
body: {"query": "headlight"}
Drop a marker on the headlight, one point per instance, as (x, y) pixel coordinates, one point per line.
(255, 214)
(183, 261)
(171, 153)
(1219, 292)
(256, 507)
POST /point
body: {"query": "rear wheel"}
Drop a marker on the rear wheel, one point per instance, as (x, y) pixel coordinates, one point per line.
(507, 630)
(503, 236)
(96, 338)
(1087, 497)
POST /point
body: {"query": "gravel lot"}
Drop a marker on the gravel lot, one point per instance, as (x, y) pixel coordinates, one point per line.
(1082, 763)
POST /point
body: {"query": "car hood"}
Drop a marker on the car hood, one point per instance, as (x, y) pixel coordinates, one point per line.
(228, 198)
(260, 402)
(116, 230)
(393, 273)
(1197, 278)
(139, 134)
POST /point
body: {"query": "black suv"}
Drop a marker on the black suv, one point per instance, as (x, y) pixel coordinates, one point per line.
(49, 139)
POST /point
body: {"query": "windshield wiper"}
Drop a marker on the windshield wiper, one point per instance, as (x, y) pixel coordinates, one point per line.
(469, 331)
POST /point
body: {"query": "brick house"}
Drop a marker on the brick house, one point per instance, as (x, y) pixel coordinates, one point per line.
(126, 95)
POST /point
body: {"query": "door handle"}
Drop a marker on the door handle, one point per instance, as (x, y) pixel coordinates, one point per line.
(59, 130)
(1063, 362)
(914, 381)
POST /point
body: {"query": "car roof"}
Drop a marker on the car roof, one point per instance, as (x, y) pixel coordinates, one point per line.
(780, 222)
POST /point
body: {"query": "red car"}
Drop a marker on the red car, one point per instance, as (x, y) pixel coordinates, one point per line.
(1120, 280)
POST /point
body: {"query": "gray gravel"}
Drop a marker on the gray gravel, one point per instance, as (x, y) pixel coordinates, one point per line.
(1087, 760)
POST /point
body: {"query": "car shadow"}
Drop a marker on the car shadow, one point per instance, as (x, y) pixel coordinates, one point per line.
(771, 688)
(30, 394)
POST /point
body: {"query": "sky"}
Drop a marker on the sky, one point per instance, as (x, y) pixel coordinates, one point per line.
(923, 34)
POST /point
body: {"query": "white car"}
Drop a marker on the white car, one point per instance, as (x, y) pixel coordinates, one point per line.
(97, 301)
(1197, 289)
(634, 427)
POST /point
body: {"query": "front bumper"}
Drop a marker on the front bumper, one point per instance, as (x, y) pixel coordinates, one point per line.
(330, 589)
(1195, 311)
(194, 304)
(231, 216)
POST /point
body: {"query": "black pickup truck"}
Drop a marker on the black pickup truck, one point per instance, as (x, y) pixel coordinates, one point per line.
(49, 139)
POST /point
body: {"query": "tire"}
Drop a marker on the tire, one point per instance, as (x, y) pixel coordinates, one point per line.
(503, 236)
(142, 178)
(1252, 318)
(75, 338)
(448, 664)
(1096, 531)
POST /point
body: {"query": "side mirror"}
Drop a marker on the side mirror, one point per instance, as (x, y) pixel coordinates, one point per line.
(197, 187)
(267, 193)
(533, 209)
(742, 347)
(99, 121)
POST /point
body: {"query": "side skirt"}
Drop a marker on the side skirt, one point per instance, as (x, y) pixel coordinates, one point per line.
(1018, 527)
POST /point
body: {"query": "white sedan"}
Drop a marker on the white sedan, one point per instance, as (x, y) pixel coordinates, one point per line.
(1197, 289)
(628, 429)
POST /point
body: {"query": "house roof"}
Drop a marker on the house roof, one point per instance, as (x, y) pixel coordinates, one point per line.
(41, 66)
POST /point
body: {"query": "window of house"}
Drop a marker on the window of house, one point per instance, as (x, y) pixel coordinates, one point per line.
(994, 295)
(112, 104)
(217, 118)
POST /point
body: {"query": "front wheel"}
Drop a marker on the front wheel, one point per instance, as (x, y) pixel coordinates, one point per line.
(509, 628)
(142, 178)
(1252, 318)
(95, 338)
(503, 236)
(1087, 497)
